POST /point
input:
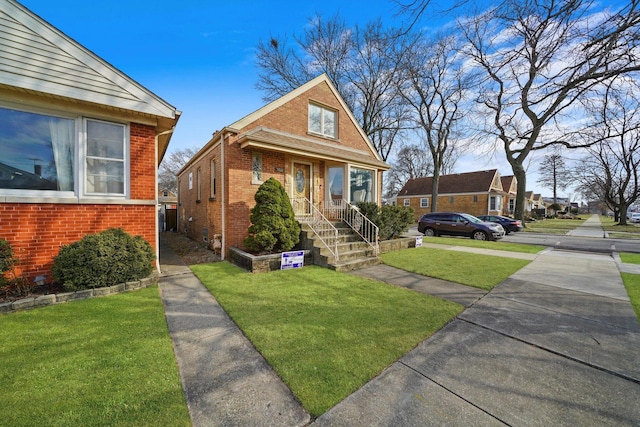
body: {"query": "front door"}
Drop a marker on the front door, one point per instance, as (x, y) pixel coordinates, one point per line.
(302, 188)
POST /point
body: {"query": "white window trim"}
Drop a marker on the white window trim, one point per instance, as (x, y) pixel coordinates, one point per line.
(424, 205)
(322, 127)
(79, 163)
(82, 155)
(406, 202)
(374, 177)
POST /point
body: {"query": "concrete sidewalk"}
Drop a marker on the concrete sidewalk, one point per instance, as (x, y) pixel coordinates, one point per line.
(557, 343)
(592, 227)
(226, 381)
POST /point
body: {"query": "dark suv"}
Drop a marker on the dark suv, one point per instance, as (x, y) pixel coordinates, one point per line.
(459, 224)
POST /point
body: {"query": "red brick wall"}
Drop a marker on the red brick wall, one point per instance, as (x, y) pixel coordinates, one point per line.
(36, 231)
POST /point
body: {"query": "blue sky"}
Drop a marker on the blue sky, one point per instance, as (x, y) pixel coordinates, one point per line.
(198, 55)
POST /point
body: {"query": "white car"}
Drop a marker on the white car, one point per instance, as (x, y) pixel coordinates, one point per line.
(635, 217)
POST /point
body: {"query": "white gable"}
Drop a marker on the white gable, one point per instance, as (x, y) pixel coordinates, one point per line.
(36, 56)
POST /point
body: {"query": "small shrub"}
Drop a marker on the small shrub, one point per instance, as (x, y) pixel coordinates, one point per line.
(7, 260)
(391, 220)
(273, 223)
(103, 259)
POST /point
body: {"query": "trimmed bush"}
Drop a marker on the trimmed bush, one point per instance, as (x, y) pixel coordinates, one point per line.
(7, 260)
(103, 259)
(273, 223)
(391, 220)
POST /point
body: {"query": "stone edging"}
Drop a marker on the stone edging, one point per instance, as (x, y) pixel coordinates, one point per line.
(45, 300)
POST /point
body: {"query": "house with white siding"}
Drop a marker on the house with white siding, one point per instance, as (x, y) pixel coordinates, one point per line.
(80, 143)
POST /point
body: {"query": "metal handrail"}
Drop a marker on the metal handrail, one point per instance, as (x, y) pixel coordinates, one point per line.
(307, 213)
(359, 223)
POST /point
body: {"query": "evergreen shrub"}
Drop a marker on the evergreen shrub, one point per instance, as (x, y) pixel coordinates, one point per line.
(391, 220)
(273, 223)
(103, 259)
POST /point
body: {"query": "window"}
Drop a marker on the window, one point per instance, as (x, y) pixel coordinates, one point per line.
(424, 203)
(475, 199)
(512, 205)
(323, 121)
(213, 179)
(37, 151)
(495, 203)
(407, 202)
(450, 200)
(361, 185)
(256, 168)
(190, 180)
(53, 156)
(105, 160)
(199, 184)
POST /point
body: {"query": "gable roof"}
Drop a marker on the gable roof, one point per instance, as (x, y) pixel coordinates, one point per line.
(29, 45)
(507, 182)
(470, 182)
(322, 78)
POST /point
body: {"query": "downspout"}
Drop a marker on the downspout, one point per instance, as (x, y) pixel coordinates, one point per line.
(223, 170)
(166, 132)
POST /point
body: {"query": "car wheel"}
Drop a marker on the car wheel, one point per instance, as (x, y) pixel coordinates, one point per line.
(479, 235)
(429, 232)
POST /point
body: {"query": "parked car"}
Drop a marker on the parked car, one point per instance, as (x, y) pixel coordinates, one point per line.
(635, 217)
(459, 224)
(509, 224)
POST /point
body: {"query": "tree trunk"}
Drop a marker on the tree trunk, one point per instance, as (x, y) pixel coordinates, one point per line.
(434, 191)
(521, 179)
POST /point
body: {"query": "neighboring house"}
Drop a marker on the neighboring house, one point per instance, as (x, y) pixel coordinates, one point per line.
(476, 193)
(308, 140)
(167, 210)
(510, 188)
(80, 143)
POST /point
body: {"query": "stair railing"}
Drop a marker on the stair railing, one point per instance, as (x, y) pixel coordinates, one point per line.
(308, 214)
(352, 216)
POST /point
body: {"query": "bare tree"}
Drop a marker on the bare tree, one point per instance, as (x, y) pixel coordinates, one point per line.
(611, 170)
(361, 62)
(170, 166)
(539, 57)
(554, 174)
(410, 162)
(434, 86)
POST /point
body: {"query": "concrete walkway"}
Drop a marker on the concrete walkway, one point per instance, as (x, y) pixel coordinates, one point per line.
(557, 343)
(226, 381)
(592, 227)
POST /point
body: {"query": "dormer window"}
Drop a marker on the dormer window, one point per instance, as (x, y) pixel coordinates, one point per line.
(323, 121)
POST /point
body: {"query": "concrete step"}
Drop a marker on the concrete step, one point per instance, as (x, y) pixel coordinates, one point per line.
(355, 264)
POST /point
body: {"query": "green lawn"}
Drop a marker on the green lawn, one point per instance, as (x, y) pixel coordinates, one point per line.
(632, 283)
(325, 333)
(615, 230)
(98, 362)
(480, 271)
(555, 226)
(630, 258)
(499, 246)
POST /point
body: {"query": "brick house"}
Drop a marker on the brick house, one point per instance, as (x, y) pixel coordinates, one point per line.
(81, 143)
(510, 188)
(476, 193)
(308, 140)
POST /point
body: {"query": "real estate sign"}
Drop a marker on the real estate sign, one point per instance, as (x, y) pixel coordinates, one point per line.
(293, 259)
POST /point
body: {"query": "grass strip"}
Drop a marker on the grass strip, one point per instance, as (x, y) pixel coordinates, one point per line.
(325, 333)
(97, 362)
(553, 225)
(632, 283)
(498, 246)
(630, 258)
(480, 271)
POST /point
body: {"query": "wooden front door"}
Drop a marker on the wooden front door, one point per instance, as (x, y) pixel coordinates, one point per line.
(302, 188)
